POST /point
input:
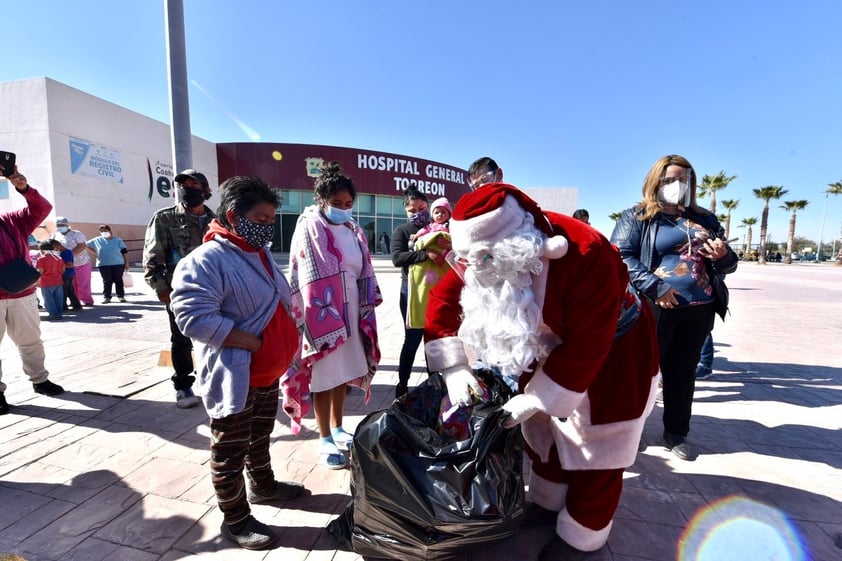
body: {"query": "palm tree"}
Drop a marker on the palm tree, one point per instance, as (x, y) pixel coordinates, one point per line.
(748, 223)
(615, 216)
(793, 206)
(836, 189)
(711, 184)
(729, 204)
(767, 194)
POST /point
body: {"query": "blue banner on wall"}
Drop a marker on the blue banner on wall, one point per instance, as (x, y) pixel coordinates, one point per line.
(95, 160)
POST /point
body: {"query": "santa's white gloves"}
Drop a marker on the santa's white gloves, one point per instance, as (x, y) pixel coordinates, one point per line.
(460, 381)
(521, 407)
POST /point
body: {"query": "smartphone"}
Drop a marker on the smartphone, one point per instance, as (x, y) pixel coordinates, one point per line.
(7, 163)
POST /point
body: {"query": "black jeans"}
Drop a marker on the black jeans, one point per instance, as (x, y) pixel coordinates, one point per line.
(681, 333)
(70, 294)
(412, 339)
(112, 274)
(181, 354)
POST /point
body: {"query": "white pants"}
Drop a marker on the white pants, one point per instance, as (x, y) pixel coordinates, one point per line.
(19, 317)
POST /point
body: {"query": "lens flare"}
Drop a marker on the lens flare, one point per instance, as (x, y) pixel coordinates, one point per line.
(738, 529)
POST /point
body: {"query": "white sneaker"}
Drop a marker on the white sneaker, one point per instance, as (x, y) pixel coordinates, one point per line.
(185, 399)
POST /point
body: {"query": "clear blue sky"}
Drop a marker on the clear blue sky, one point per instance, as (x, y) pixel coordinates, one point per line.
(560, 92)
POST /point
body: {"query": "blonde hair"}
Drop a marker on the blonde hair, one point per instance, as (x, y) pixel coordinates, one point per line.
(651, 204)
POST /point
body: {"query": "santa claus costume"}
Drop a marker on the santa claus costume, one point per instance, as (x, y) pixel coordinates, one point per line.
(546, 298)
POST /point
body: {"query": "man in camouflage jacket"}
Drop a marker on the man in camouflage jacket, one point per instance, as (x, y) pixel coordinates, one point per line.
(172, 233)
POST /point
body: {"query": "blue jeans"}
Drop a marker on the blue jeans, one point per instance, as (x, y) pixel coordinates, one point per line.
(706, 356)
(53, 299)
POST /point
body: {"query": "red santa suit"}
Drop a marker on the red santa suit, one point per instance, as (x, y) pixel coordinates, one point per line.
(590, 391)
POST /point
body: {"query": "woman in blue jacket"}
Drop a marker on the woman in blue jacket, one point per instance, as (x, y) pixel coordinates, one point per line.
(676, 255)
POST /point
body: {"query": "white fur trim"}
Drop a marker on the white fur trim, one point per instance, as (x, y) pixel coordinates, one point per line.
(546, 494)
(580, 537)
(489, 227)
(445, 353)
(555, 247)
(555, 399)
(582, 445)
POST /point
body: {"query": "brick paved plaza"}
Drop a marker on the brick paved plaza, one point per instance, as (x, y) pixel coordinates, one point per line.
(112, 470)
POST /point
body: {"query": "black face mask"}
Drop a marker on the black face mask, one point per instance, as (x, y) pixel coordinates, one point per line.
(421, 218)
(191, 197)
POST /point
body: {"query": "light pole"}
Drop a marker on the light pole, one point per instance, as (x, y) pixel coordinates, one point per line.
(180, 134)
(821, 229)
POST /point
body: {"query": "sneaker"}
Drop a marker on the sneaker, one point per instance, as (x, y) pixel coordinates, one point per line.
(4, 407)
(330, 456)
(254, 535)
(679, 446)
(106, 300)
(283, 491)
(122, 299)
(48, 388)
(703, 372)
(185, 399)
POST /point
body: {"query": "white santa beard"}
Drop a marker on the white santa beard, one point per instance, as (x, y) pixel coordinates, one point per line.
(501, 321)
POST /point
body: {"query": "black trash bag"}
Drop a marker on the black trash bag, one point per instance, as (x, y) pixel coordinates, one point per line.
(417, 494)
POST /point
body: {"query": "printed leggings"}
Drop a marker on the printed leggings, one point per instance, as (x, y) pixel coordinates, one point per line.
(242, 440)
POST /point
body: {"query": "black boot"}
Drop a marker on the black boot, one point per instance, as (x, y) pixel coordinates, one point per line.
(559, 550)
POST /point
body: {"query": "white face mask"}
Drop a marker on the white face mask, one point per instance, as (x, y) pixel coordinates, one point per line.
(105, 235)
(675, 193)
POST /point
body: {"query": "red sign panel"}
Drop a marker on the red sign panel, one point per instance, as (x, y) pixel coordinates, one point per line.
(294, 166)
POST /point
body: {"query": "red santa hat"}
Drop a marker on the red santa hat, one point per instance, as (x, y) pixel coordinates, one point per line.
(494, 212)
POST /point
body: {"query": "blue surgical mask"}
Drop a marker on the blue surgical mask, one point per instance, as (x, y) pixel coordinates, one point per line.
(338, 215)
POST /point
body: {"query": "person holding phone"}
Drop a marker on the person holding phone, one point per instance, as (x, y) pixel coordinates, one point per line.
(19, 311)
(676, 253)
